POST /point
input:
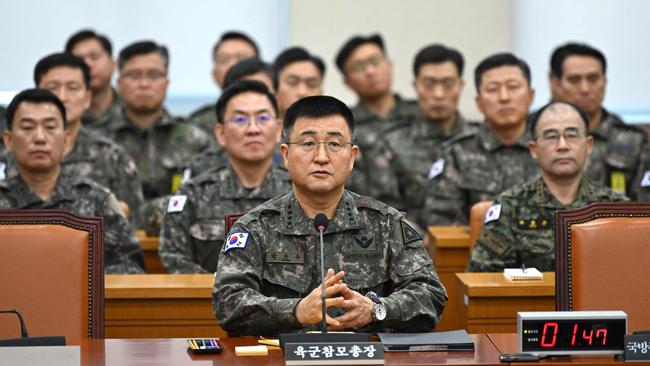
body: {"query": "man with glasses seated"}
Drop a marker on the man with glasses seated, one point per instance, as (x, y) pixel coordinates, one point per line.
(248, 128)
(379, 276)
(519, 227)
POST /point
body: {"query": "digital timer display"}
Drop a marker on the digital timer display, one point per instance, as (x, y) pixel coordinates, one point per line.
(571, 332)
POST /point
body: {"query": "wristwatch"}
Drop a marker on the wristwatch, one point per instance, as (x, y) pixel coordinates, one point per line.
(379, 309)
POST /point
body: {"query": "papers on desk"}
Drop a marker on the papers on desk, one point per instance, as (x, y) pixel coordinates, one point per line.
(518, 274)
(455, 340)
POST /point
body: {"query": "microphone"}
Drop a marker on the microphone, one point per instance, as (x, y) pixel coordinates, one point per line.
(320, 224)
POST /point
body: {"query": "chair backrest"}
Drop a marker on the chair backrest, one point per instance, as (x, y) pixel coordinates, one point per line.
(52, 270)
(476, 220)
(602, 261)
(231, 219)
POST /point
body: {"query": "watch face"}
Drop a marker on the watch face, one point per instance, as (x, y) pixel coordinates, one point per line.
(380, 312)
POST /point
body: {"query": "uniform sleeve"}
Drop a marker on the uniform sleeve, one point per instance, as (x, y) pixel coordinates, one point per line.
(495, 247)
(122, 252)
(176, 243)
(237, 301)
(126, 186)
(418, 297)
(444, 201)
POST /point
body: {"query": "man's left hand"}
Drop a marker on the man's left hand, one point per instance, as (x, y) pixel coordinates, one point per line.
(358, 310)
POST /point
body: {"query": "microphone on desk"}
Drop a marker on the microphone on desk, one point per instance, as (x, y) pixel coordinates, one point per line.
(25, 340)
(320, 223)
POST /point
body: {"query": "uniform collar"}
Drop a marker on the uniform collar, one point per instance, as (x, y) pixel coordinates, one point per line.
(231, 188)
(400, 112)
(544, 197)
(425, 128)
(123, 121)
(608, 122)
(26, 198)
(490, 142)
(295, 222)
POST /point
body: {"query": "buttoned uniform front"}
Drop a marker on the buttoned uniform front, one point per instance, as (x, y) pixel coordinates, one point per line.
(101, 160)
(523, 230)
(476, 166)
(258, 286)
(191, 239)
(83, 197)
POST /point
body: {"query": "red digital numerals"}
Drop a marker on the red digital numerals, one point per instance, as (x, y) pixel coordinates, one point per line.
(550, 330)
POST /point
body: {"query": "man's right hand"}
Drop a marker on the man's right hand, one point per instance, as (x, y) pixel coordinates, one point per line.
(309, 309)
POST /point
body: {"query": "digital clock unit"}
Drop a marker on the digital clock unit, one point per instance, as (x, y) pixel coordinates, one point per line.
(554, 333)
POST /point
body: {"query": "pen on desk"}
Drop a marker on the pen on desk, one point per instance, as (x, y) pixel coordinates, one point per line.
(523, 267)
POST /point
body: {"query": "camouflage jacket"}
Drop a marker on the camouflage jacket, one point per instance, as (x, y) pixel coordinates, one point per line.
(83, 197)
(215, 157)
(192, 235)
(101, 160)
(94, 123)
(520, 227)
(475, 167)
(616, 155)
(271, 260)
(205, 118)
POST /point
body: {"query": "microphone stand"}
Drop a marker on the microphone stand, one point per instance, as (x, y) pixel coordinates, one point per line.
(323, 326)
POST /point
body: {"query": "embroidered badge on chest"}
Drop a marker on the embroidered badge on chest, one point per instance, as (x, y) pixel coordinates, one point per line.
(364, 240)
(285, 257)
(236, 240)
(176, 203)
(492, 213)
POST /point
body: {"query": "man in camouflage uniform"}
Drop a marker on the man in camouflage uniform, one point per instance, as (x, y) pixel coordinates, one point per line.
(268, 281)
(479, 165)
(298, 74)
(368, 72)
(96, 50)
(3, 112)
(88, 155)
(36, 135)
(519, 227)
(161, 145)
(232, 47)
(193, 228)
(578, 76)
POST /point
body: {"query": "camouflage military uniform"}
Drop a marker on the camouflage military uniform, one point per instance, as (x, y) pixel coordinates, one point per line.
(475, 167)
(101, 160)
(259, 284)
(208, 160)
(162, 154)
(3, 124)
(205, 118)
(83, 197)
(91, 122)
(615, 157)
(523, 232)
(192, 237)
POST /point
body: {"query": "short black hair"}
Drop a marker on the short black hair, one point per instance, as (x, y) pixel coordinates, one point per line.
(316, 106)
(352, 44)
(142, 48)
(37, 96)
(535, 117)
(85, 34)
(247, 67)
(230, 35)
(498, 60)
(295, 54)
(239, 87)
(574, 49)
(437, 54)
(65, 59)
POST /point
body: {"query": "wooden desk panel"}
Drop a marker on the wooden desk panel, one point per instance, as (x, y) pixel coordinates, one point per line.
(159, 306)
(489, 303)
(449, 248)
(162, 352)
(149, 245)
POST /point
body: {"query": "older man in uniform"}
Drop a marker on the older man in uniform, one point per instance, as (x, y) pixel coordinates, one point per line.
(519, 229)
(479, 165)
(578, 76)
(380, 276)
(37, 136)
(161, 145)
(248, 128)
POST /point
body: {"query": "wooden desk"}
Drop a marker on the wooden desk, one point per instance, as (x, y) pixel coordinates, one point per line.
(449, 248)
(149, 245)
(161, 352)
(507, 343)
(159, 306)
(489, 303)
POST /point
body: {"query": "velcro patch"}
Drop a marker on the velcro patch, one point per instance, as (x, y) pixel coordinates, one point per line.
(285, 257)
(364, 240)
(436, 168)
(176, 203)
(409, 234)
(492, 213)
(645, 182)
(236, 240)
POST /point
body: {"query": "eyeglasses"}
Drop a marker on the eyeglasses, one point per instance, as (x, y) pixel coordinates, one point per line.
(151, 75)
(571, 135)
(243, 121)
(429, 82)
(362, 65)
(310, 146)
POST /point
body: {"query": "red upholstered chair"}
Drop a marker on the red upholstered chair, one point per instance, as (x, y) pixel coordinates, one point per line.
(476, 220)
(603, 260)
(51, 269)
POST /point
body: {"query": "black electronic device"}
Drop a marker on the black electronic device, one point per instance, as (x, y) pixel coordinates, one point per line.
(519, 357)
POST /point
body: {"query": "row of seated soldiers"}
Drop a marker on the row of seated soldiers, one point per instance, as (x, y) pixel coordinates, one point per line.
(421, 156)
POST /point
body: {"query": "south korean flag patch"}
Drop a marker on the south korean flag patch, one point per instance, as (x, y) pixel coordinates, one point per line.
(236, 240)
(493, 213)
(645, 182)
(176, 203)
(436, 168)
